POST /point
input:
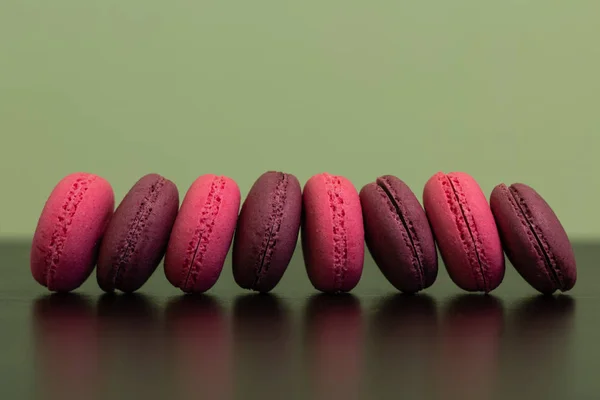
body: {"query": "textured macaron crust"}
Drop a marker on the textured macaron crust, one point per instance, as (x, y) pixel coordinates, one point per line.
(465, 231)
(398, 234)
(137, 235)
(332, 233)
(267, 231)
(202, 233)
(69, 231)
(534, 240)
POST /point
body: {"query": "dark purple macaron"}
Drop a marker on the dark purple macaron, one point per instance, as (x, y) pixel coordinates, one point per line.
(398, 234)
(533, 238)
(136, 237)
(267, 231)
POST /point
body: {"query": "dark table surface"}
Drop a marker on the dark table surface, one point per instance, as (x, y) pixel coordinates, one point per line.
(373, 344)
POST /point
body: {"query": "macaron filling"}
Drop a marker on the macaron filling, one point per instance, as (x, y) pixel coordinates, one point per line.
(333, 185)
(137, 227)
(535, 235)
(409, 234)
(63, 223)
(465, 223)
(198, 245)
(270, 238)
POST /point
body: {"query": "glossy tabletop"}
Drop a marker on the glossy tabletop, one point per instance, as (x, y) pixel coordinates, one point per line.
(295, 343)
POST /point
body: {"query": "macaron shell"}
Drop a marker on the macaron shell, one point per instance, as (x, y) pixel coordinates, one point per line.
(398, 235)
(137, 235)
(202, 233)
(267, 231)
(332, 233)
(465, 231)
(533, 238)
(69, 231)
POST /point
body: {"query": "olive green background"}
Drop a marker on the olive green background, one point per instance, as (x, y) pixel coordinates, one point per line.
(505, 90)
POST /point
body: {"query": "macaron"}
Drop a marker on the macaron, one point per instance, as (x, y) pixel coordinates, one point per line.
(465, 231)
(534, 239)
(202, 233)
(332, 233)
(136, 238)
(267, 231)
(398, 235)
(66, 241)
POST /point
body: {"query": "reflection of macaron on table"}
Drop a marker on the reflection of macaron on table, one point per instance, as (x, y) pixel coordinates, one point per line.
(79, 228)
(198, 338)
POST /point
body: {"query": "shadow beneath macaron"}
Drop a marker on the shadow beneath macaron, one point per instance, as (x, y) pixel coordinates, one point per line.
(402, 344)
(131, 333)
(405, 312)
(191, 306)
(199, 347)
(334, 340)
(128, 311)
(468, 356)
(263, 345)
(66, 346)
(538, 346)
(545, 311)
(260, 317)
(49, 306)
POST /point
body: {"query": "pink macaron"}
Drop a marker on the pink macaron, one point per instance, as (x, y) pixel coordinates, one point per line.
(465, 231)
(202, 233)
(332, 233)
(65, 245)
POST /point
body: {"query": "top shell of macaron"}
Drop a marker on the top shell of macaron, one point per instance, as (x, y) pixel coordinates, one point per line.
(334, 183)
(271, 182)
